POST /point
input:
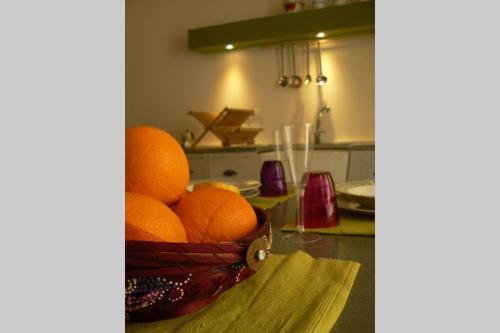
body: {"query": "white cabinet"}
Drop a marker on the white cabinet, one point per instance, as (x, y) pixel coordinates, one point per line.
(362, 165)
(198, 166)
(235, 166)
(334, 161)
(269, 156)
(344, 165)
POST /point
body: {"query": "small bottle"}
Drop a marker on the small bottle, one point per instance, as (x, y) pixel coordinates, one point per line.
(187, 138)
(293, 6)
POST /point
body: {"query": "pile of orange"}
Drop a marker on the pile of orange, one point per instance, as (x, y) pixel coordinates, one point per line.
(157, 206)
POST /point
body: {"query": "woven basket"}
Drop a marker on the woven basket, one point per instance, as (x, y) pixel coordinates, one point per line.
(166, 280)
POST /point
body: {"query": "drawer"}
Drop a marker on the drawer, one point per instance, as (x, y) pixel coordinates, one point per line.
(237, 166)
(198, 166)
(334, 161)
(362, 165)
(269, 156)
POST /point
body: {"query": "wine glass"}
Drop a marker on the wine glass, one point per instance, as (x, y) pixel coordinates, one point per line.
(299, 163)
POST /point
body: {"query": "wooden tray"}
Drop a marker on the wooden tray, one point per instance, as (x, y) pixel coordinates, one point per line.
(234, 137)
(226, 126)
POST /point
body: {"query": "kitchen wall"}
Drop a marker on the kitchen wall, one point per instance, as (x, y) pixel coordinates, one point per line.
(164, 79)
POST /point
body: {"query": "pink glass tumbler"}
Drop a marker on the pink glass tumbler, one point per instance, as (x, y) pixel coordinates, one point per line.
(320, 201)
(272, 178)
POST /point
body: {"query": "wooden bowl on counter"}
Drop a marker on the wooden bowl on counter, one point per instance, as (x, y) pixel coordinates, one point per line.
(166, 280)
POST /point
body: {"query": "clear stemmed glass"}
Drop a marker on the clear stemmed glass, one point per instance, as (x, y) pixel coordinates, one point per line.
(299, 163)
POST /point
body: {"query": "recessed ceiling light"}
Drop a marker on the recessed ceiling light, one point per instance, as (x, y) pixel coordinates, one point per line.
(320, 34)
(229, 46)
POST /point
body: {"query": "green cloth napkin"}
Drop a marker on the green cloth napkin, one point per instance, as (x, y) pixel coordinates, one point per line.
(290, 293)
(350, 224)
(270, 202)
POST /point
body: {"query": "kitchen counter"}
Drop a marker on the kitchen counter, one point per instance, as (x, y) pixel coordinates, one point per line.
(268, 148)
(359, 312)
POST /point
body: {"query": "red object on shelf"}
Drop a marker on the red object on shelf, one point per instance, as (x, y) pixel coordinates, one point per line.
(293, 6)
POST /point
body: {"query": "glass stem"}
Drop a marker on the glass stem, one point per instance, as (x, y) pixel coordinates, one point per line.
(300, 210)
(277, 144)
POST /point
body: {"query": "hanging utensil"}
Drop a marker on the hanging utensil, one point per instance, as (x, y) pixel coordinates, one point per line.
(321, 79)
(296, 80)
(283, 80)
(308, 78)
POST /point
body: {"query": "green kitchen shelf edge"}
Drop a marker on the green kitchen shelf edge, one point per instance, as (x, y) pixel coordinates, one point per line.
(335, 21)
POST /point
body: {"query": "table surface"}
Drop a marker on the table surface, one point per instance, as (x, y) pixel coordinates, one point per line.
(359, 312)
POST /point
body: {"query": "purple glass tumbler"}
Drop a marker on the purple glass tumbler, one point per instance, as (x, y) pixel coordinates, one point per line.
(272, 178)
(320, 201)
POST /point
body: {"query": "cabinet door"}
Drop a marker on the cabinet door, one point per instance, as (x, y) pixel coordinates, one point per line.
(334, 161)
(362, 165)
(198, 166)
(237, 166)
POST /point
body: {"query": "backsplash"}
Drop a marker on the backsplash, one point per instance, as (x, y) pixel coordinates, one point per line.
(169, 80)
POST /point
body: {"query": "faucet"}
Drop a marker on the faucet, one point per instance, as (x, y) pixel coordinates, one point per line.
(317, 133)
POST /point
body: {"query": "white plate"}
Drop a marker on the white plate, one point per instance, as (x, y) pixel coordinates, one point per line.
(352, 206)
(362, 192)
(250, 193)
(243, 185)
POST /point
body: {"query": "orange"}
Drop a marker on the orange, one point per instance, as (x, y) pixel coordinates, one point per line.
(212, 215)
(155, 164)
(150, 220)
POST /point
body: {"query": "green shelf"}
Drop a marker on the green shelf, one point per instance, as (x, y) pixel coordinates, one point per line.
(334, 21)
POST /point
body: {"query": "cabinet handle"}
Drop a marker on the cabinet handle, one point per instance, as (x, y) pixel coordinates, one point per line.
(229, 173)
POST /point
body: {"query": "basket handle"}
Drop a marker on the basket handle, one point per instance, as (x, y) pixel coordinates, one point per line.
(256, 253)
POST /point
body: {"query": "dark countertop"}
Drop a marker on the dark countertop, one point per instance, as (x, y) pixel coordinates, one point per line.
(359, 312)
(268, 148)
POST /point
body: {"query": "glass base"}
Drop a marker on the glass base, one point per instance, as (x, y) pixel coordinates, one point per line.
(297, 237)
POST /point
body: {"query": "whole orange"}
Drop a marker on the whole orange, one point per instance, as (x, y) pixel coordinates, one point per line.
(150, 220)
(155, 164)
(212, 215)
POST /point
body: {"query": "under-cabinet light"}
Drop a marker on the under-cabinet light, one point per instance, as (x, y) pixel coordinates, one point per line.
(320, 34)
(229, 46)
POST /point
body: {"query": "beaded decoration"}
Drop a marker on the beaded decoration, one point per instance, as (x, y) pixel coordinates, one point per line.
(143, 292)
(240, 267)
(268, 241)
